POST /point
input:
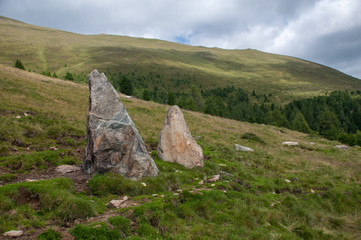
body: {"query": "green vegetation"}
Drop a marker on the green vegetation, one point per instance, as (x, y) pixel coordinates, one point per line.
(126, 86)
(18, 64)
(310, 191)
(167, 66)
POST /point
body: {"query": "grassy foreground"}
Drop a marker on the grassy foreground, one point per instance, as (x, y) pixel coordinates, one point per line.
(310, 191)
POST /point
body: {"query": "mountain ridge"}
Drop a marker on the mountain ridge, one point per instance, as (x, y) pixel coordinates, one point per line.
(177, 65)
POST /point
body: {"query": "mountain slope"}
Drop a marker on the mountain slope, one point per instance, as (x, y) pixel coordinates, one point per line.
(166, 65)
(277, 192)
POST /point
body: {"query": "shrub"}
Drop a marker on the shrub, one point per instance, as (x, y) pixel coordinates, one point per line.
(252, 137)
(18, 64)
(121, 223)
(100, 233)
(69, 76)
(50, 234)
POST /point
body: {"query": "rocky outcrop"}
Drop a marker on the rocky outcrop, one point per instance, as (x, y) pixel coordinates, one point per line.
(113, 142)
(176, 143)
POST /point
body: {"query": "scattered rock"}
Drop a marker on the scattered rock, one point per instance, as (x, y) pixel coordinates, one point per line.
(201, 182)
(144, 184)
(312, 191)
(17, 117)
(13, 233)
(176, 143)
(54, 148)
(117, 203)
(31, 180)
(214, 178)
(312, 143)
(67, 168)
(287, 180)
(343, 147)
(175, 194)
(238, 147)
(113, 141)
(154, 195)
(25, 114)
(212, 185)
(222, 165)
(290, 143)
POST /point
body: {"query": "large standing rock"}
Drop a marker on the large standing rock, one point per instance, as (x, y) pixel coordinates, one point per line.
(113, 142)
(176, 143)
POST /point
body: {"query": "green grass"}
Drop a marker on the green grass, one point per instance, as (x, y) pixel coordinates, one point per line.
(162, 64)
(252, 200)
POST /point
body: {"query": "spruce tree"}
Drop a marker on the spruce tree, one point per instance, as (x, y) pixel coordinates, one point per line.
(18, 64)
(146, 95)
(126, 86)
(171, 98)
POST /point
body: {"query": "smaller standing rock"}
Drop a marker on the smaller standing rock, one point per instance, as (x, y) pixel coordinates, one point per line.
(238, 147)
(176, 143)
(290, 143)
(14, 233)
(343, 147)
(67, 168)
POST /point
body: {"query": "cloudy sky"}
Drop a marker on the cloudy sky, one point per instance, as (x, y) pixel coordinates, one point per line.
(323, 31)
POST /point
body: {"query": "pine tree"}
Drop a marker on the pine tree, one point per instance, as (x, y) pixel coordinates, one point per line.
(171, 98)
(300, 124)
(69, 76)
(126, 86)
(18, 64)
(146, 95)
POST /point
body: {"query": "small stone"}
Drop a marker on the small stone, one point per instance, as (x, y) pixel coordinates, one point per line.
(312, 191)
(343, 147)
(273, 193)
(27, 149)
(212, 185)
(312, 143)
(25, 114)
(201, 182)
(214, 178)
(67, 168)
(180, 190)
(287, 180)
(248, 164)
(175, 194)
(17, 117)
(238, 147)
(222, 165)
(162, 195)
(13, 233)
(31, 180)
(290, 143)
(155, 195)
(144, 184)
(54, 148)
(15, 149)
(196, 178)
(224, 191)
(117, 203)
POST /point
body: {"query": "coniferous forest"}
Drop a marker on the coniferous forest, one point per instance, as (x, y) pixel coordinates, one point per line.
(335, 116)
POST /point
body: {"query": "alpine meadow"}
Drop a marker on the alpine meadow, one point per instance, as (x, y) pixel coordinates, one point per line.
(302, 121)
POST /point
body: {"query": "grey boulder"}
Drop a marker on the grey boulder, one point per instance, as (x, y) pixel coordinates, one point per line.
(238, 147)
(113, 142)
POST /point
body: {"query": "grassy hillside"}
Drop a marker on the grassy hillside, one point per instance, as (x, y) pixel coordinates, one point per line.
(166, 65)
(310, 191)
